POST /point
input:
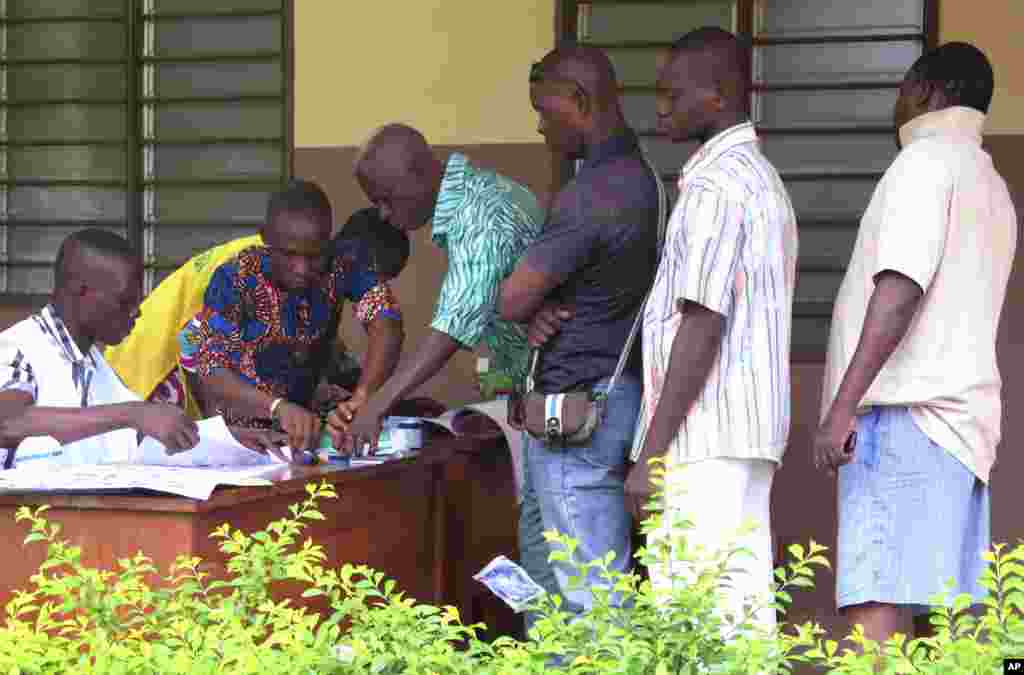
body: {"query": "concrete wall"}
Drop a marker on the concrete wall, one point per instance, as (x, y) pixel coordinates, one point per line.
(994, 26)
(457, 69)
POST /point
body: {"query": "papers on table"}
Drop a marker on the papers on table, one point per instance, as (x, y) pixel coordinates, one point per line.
(218, 459)
(178, 480)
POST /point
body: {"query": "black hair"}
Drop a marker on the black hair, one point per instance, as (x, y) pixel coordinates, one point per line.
(385, 246)
(90, 240)
(730, 56)
(704, 38)
(298, 196)
(961, 71)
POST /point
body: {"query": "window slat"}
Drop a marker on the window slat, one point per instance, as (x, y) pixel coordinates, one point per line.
(198, 7)
(207, 144)
(55, 9)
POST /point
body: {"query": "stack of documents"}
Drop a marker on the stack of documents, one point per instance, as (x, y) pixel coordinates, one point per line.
(78, 478)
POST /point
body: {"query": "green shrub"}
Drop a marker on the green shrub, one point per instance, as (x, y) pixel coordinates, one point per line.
(75, 619)
(963, 644)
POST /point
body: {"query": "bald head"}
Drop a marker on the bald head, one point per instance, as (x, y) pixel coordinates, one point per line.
(391, 151)
(88, 256)
(399, 173)
(715, 58)
(588, 67)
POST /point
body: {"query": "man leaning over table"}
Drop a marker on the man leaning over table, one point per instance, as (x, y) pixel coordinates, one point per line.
(60, 401)
(268, 318)
(484, 222)
(157, 359)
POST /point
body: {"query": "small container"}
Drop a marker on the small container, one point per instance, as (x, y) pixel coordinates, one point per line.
(406, 434)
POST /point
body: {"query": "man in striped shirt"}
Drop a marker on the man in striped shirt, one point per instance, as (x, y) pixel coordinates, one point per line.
(717, 325)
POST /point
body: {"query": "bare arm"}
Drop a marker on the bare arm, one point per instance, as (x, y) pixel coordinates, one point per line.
(229, 389)
(384, 348)
(429, 359)
(891, 309)
(20, 418)
(300, 424)
(694, 350)
(523, 293)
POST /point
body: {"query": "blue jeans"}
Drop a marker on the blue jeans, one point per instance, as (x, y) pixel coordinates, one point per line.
(533, 550)
(580, 492)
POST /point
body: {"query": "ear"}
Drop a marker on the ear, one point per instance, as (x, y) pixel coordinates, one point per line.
(582, 100)
(925, 95)
(714, 100)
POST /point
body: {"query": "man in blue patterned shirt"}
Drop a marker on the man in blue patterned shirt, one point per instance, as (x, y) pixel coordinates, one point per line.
(484, 222)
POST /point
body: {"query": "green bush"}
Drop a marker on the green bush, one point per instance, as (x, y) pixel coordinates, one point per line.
(80, 620)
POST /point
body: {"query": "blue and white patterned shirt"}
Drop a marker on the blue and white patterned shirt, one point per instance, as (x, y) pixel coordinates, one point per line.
(731, 246)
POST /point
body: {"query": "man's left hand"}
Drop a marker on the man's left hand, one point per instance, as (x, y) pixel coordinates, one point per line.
(344, 412)
(350, 433)
(639, 489)
(834, 443)
(547, 323)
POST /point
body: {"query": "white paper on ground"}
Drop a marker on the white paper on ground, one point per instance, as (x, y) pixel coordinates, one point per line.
(216, 448)
(195, 483)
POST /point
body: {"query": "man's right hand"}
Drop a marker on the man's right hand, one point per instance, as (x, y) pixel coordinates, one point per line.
(302, 426)
(261, 441)
(547, 323)
(168, 424)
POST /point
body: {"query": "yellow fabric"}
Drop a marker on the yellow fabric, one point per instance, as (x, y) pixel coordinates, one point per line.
(150, 353)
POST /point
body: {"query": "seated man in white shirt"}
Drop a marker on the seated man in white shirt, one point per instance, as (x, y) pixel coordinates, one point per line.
(56, 389)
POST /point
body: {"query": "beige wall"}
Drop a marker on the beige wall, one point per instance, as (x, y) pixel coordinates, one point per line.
(995, 27)
(456, 69)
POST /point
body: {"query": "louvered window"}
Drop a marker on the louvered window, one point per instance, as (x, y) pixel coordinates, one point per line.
(825, 77)
(165, 120)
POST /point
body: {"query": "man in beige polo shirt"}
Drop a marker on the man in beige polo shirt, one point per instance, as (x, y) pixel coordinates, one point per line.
(911, 364)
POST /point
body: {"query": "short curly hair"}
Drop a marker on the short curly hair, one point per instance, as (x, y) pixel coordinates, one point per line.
(386, 246)
(961, 71)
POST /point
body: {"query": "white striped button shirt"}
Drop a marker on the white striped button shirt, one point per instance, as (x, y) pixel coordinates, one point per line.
(731, 246)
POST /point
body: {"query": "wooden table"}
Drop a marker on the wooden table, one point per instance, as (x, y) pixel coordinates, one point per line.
(429, 521)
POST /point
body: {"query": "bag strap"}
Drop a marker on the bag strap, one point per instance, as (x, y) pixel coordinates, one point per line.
(628, 347)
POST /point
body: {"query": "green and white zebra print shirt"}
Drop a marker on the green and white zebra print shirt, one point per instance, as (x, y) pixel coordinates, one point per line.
(485, 222)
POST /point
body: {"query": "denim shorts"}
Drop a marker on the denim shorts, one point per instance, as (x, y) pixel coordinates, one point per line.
(911, 517)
